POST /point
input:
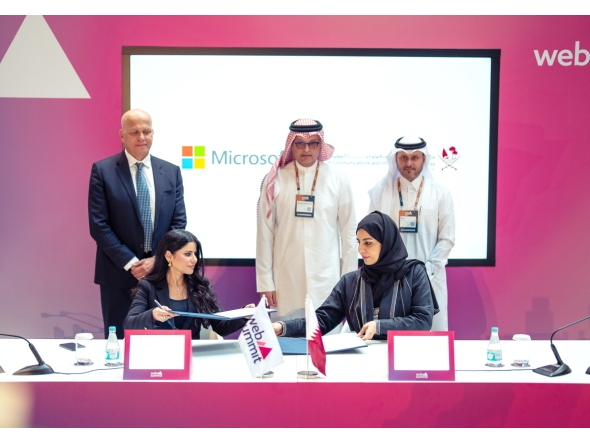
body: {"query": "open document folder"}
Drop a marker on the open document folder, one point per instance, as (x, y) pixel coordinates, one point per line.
(332, 343)
(223, 315)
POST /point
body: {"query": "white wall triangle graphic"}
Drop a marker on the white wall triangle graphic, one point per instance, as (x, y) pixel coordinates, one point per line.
(35, 65)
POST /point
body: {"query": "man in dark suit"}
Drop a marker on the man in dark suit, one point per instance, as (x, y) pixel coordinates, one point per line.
(133, 200)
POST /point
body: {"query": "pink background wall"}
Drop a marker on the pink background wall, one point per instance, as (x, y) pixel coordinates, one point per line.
(47, 146)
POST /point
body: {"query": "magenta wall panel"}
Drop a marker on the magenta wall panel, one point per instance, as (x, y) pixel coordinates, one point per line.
(540, 280)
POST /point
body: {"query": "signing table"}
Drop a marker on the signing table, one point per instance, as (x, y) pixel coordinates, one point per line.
(356, 393)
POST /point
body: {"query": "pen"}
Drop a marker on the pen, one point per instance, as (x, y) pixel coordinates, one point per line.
(167, 320)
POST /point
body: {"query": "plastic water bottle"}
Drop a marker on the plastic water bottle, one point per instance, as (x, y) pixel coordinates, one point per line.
(494, 350)
(112, 349)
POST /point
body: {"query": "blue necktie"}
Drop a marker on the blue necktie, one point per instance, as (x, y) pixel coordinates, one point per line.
(143, 199)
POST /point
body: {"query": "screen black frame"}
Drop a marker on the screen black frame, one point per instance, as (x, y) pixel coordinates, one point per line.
(492, 54)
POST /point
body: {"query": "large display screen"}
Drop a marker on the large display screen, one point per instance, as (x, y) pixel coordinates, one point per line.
(222, 116)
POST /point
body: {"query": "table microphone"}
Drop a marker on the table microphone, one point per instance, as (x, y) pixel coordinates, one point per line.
(560, 368)
(39, 369)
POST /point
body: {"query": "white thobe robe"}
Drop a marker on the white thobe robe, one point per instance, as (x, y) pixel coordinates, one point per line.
(299, 256)
(436, 234)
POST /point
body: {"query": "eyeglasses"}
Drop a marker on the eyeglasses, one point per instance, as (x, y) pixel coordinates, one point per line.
(145, 133)
(311, 145)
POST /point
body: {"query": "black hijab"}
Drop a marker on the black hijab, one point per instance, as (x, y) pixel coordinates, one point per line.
(392, 264)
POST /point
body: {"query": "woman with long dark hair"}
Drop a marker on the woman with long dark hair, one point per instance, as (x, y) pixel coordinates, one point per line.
(177, 281)
(388, 292)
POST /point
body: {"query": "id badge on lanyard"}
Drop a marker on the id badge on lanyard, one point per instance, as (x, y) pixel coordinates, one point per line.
(408, 219)
(305, 203)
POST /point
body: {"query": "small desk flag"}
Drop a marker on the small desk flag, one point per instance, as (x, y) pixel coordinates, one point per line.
(259, 343)
(314, 338)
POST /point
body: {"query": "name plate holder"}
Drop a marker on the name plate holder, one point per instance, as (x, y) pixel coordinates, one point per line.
(421, 355)
(158, 355)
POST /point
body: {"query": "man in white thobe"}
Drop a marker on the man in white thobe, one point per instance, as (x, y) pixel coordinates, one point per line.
(306, 236)
(423, 210)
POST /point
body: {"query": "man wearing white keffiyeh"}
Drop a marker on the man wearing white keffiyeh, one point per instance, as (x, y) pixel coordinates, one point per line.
(409, 185)
(306, 224)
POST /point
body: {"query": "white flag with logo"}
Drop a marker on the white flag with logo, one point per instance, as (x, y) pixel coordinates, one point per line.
(259, 342)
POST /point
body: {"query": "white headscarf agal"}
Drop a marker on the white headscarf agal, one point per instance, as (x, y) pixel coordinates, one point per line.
(381, 194)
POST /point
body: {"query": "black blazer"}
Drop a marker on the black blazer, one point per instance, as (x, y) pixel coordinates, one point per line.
(115, 222)
(140, 313)
(414, 305)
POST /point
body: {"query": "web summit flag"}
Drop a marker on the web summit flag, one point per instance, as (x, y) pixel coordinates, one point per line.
(259, 342)
(314, 338)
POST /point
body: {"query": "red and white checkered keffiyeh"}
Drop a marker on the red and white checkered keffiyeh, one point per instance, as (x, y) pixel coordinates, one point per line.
(326, 151)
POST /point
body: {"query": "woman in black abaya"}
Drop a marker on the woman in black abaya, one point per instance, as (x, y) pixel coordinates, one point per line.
(387, 293)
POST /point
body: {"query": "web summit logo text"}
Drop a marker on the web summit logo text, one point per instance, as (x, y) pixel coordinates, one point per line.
(253, 335)
(565, 57)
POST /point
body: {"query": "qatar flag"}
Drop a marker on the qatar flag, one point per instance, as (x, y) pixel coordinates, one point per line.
(314, 338)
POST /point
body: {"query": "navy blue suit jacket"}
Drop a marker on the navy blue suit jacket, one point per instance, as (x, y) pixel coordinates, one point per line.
(114, 217)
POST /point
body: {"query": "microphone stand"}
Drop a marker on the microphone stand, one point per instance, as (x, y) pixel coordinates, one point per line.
(560, 368)
(39, 369)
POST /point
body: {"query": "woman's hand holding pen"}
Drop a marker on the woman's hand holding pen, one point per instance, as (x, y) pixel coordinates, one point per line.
(162, 314)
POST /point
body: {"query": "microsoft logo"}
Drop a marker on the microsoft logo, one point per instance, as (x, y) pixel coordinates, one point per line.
(193, 157)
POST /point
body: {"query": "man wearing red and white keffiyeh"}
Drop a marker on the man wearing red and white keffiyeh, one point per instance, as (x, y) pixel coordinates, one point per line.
(307, 129)
(295, 255)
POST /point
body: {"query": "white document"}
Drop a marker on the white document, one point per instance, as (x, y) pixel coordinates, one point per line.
(241, 312)
(342, 341)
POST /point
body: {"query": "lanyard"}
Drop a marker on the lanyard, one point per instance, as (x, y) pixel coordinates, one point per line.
(399, 190)
(317, 169)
